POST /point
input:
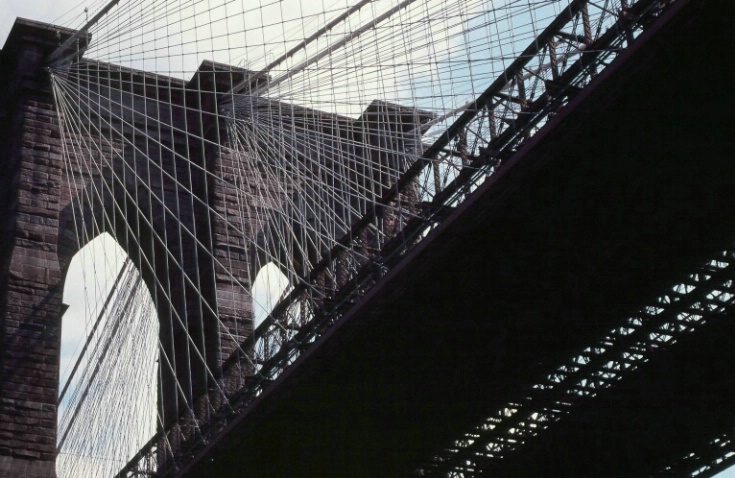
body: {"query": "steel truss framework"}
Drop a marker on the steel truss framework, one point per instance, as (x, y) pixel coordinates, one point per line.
(706, 295)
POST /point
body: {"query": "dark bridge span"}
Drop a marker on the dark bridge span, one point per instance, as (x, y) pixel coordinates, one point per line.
(618, 198)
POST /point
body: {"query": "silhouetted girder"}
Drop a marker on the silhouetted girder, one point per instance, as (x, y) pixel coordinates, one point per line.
(707, 458)
(673, 315)
(625, 191)
(677, 403)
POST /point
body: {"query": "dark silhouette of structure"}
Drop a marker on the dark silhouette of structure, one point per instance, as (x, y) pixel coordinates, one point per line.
(624, 193)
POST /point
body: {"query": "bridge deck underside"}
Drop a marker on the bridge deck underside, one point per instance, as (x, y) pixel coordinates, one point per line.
(630, 189)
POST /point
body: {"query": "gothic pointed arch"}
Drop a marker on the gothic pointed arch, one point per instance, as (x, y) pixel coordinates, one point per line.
(109, 377)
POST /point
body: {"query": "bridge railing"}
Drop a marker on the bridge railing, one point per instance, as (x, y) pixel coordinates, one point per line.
(555, 67)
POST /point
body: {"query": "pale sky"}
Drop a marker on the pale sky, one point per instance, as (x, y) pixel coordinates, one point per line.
(41, 10)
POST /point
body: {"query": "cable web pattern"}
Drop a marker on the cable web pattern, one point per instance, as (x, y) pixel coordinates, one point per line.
(214, 139)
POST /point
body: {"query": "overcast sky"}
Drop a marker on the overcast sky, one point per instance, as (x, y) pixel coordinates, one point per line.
(41, 10)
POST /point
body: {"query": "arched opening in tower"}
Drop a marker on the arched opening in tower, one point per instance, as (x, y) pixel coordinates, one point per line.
(268, 288)
(108, 391)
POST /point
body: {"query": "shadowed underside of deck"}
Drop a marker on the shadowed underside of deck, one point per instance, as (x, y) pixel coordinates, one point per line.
(619, 197)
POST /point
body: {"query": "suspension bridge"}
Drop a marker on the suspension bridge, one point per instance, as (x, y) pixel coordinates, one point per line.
(502, 231)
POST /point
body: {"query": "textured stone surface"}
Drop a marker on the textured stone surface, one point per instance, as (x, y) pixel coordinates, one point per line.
(201, 271)
(30, 275)
(38, 241)
(22, 468)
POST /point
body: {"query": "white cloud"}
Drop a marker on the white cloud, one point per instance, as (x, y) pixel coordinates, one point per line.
(41, 10)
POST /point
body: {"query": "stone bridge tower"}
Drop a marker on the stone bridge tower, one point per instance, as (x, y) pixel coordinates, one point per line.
(30, 273)
(177, 200)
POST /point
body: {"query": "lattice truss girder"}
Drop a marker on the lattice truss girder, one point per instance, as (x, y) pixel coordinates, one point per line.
(706, 295)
